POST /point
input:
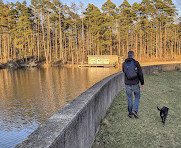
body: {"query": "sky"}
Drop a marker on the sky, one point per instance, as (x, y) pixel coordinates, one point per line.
(99, 3)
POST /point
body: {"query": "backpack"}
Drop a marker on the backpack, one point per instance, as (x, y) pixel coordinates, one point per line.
(130, 70)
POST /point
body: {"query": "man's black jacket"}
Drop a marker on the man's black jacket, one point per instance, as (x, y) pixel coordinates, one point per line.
(140, 73)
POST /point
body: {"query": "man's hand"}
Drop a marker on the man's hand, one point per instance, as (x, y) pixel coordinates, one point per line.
(142, 86)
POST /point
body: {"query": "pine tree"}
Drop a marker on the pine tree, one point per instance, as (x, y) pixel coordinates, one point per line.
(126, 21)
(109, 9)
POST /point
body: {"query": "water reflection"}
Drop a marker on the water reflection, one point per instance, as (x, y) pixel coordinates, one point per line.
(28, 97)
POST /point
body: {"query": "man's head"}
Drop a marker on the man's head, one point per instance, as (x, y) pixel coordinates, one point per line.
(131, 54)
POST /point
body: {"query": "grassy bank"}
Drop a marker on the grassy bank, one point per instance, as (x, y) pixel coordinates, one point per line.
(119, 131)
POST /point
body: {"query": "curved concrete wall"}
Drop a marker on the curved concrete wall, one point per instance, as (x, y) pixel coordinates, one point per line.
(76, 125)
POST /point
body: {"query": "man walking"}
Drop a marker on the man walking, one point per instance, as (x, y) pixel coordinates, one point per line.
(133, 75)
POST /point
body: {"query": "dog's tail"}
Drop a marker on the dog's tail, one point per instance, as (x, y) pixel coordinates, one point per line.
(158, 108)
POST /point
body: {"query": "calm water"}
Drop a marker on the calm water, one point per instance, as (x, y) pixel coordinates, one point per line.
(28, 97)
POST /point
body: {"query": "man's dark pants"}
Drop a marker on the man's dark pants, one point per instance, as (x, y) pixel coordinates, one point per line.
(129, 93)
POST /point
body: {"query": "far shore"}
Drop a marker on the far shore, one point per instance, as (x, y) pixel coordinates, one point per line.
(14, 65)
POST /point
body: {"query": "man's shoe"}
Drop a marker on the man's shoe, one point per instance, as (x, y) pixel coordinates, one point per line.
(130, 115)
(135, 114)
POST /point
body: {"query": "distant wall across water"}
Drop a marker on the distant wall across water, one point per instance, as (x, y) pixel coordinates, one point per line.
(76, 125)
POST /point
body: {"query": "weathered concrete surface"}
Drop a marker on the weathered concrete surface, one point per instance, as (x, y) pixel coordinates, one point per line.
(76, 125)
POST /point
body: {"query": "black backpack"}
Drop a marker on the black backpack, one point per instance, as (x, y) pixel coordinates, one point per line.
(130, 70)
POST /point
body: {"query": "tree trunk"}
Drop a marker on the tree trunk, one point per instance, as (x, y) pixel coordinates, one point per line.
(136, 42)
(60, 38)
(161, 51)
(110, 41)
(141, 48)
(56, 45)
(48, 39)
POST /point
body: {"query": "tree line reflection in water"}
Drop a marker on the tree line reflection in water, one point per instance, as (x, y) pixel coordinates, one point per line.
(28, 97)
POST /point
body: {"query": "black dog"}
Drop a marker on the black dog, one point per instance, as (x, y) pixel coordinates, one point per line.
(163, 113)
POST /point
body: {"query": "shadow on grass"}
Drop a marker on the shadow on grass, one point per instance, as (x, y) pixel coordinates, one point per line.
(119, 131)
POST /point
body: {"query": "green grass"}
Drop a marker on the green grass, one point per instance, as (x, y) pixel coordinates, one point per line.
(119, 131)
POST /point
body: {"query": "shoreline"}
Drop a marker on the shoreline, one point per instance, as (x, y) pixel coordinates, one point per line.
(15, 65)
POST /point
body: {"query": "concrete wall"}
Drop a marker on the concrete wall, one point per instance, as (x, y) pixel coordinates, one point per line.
(76, 125)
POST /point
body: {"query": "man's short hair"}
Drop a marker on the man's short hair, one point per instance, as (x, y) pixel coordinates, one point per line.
(130, 54)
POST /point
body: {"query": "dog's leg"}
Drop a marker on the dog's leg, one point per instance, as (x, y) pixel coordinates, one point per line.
(162, 120)
(162, 117)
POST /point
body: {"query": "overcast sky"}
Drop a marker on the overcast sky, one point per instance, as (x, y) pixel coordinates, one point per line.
(100, 2)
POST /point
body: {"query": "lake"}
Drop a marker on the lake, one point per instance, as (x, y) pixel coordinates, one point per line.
(28, 97)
